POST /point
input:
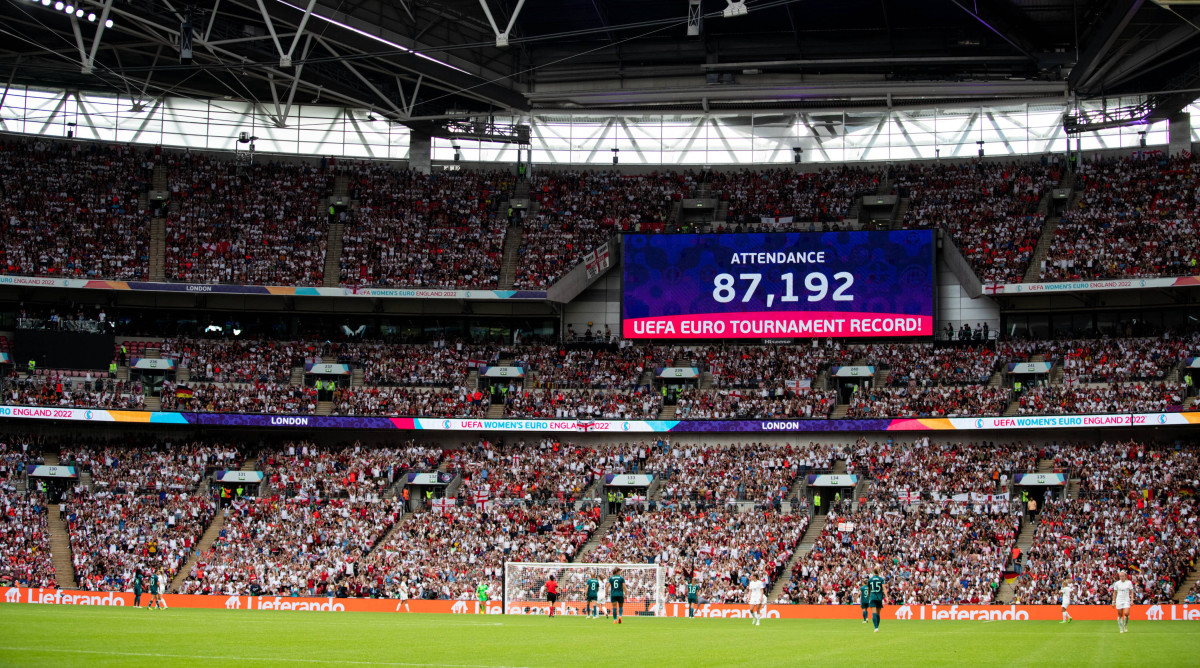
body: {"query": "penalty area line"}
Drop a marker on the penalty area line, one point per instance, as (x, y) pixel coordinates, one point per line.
(268, 659)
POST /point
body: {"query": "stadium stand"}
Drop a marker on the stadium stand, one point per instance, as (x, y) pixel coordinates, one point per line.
(1136, 511)
(1136, 216)
(259, 224)
(73, 210)
(441, 230)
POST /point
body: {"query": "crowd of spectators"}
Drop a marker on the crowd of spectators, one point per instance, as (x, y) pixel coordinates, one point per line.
(236, 398)
(25, 559)
(771, 404)
(1136, 511)
(762, 367)
(581, 368)
(447, 553)
(926, 364)
(573, 404)
(54, 389)
(239, 223)
(545, 470)
(825, 195)
(296, 547)
(990, 209)
(74, 210)
(925, 470)
(391, 401)
(955, 401)
(1118, 359)
(578, 211)
(151, 468)
(234, 360)
(1112, 398)
(722, 549)
(304, 470)
(760, 473)
(934, 552)
(1136, 216)
(438, 230)
(17, 453)
(114, 536)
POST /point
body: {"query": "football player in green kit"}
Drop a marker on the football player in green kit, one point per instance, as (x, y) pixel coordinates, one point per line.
(863, 598)
(877, 590)
(590, 608)
(616, 594)
(481, 590)
(693, 596)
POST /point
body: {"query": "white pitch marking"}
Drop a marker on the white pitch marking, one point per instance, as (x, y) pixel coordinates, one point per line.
(269, 659)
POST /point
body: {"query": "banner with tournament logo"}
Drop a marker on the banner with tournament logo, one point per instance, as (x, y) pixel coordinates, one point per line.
(979, 613)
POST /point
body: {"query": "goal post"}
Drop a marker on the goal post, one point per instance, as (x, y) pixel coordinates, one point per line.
(645, 593)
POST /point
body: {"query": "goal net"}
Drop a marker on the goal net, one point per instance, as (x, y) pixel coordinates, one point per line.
(524, 582)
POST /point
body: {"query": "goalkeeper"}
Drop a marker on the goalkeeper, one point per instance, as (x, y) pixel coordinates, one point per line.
(481, 590)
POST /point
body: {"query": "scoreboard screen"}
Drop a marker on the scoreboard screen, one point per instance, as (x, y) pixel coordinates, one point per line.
(778, 285)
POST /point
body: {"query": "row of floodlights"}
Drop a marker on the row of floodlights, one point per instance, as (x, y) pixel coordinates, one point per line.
(73, 10)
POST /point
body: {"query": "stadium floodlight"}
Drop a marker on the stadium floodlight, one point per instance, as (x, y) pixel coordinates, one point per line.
(645, 594)
(70, 9)
(45, 3)
(108, 23)
(735, 8)
(92, 17)
(78, 13)
(58, 6)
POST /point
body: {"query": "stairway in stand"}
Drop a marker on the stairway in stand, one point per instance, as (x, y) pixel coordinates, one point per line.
(495, 412)
(839, 411)
(158, 249)
(297, 379)
(1024, 541)
(387, 536)
(158, 231)
(60, 539)
(324, 407)
(597, 537)
(668, 412)
(512, 246)
(804, 547)
(210, 536)
(333, 255)
(1187, 584)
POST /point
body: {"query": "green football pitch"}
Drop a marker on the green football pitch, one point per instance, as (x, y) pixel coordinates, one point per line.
(32, 635)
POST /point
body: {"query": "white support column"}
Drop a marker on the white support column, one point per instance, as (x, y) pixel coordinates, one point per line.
(386, 100)
(502, 37)
(271, 29)
(83, 61)
(286, 60)
(100, 24)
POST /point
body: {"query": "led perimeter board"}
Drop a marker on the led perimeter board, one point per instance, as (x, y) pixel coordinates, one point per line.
(778, 285)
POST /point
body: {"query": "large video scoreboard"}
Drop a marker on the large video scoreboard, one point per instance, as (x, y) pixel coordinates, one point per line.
(778, 285)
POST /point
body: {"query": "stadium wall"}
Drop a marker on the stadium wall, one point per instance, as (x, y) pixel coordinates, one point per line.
(20, 595)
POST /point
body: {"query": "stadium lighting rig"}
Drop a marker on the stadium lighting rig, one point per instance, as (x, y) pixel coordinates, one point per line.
(71, 10)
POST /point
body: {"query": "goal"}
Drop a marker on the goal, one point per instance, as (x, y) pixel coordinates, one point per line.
(523, 581)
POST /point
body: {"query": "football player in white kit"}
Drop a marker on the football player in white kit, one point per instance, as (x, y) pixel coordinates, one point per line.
(402, 596)
(756, 596)
(1123, 600)
(1066, 590)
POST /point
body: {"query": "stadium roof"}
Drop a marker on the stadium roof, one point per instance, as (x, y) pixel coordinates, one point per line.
(418, 62)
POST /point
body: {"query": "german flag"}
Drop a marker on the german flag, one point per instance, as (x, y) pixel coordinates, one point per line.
(1011, 576)
(182, 392)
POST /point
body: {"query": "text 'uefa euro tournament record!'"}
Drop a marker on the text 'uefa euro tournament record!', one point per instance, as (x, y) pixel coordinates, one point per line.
(778, 285)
